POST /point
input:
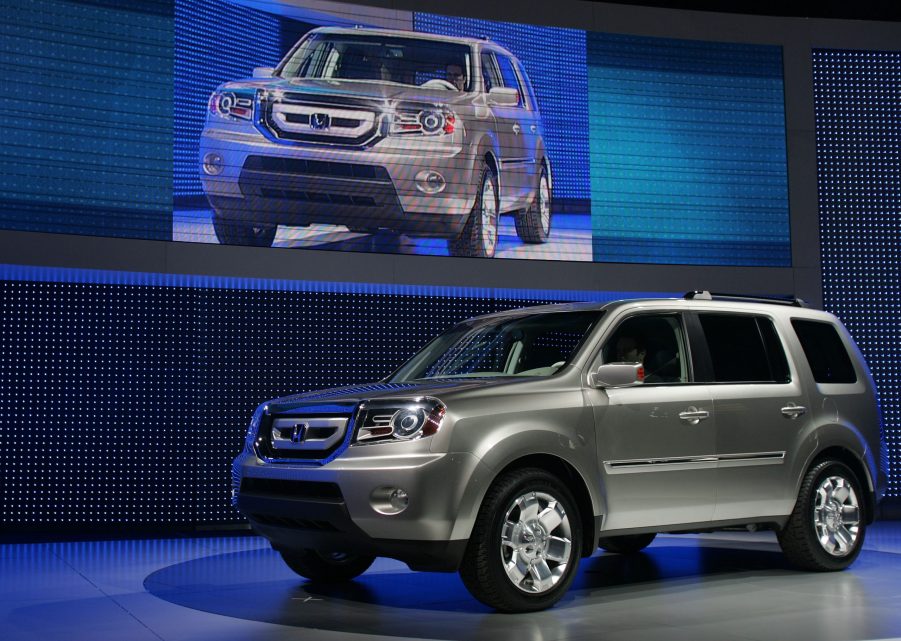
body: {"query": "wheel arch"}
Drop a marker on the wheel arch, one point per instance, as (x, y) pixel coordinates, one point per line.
(849, 458)
(574, 480)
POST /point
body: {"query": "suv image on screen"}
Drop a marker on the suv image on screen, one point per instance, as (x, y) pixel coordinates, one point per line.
(514, 444)
(373, 129)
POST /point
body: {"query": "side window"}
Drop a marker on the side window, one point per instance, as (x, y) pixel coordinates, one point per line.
(655, 340)
(489, 72)
(825, 352)
(744, 349)
(508, 75)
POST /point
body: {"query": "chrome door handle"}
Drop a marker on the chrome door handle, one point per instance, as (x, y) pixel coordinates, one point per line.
(693, 415)
(793, 411)
(516, 128)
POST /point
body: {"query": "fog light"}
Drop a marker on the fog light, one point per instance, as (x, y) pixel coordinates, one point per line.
(212, 164)
(389, 500)
(430, 182)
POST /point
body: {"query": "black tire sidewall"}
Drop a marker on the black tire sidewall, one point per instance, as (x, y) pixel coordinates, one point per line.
(539, 482)
(820, 472)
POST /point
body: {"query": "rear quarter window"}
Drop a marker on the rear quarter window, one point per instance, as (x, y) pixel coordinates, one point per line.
(825, 352)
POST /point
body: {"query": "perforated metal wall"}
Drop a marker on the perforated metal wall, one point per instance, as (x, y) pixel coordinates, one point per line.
(858, 137)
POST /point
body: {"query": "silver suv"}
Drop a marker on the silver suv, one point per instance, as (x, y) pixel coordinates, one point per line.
(516, 443)
(379, 129)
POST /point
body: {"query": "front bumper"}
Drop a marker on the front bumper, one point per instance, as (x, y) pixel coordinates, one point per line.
(328, 507)
(299, 184)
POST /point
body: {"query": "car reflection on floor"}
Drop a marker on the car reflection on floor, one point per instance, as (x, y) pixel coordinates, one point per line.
(570, 238)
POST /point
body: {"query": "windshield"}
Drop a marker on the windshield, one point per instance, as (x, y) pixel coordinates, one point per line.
(407, 61)
(534, 345)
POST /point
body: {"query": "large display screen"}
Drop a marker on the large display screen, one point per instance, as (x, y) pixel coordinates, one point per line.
(330, 126)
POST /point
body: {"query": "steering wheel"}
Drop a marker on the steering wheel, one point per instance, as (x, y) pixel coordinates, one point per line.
(439, 83)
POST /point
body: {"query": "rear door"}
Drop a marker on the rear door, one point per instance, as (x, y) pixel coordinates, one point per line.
(761, 410)
(513, 127)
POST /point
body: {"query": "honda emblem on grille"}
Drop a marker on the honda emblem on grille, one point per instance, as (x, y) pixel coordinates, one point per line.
(320, 121)
(298, 432)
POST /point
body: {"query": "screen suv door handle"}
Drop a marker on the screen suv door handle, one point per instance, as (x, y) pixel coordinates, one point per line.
(793, 411)
(693, 415)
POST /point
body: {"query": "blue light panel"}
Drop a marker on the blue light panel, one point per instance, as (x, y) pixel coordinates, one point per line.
(127, 395)
(858, 138)
(688, 157)
(214, 42)
(554, 58)
(87, 118)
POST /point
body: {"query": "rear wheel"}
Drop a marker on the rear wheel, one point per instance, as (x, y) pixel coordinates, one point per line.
(526, 543)
(327, 567)
(479, 236)
(533, 225)
(235, 232)
(627, 543)
(826, 530)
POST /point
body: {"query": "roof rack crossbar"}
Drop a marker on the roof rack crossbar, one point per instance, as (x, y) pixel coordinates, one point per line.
(793, 301)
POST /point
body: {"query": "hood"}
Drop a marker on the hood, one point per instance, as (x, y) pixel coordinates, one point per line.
(371, 90)
(347, 397)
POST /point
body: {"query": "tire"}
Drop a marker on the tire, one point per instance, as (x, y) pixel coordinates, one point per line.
(327, 567)
(499, 540)
(479, 236)
(234, 232)
(627, 543)
(533, 225)
(813, 539)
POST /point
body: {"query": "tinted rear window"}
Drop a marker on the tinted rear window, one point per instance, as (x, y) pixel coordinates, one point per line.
(744, 349)
(825, 352)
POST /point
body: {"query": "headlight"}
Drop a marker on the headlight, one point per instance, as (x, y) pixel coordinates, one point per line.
(229, 105)
(399, 419)
(428, 122)
(254, 428)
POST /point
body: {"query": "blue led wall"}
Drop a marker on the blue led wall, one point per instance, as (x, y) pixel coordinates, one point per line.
(86, 99)
(126, 396)
(214, 42)
(857, 98)
(688, 157)
(554, 59)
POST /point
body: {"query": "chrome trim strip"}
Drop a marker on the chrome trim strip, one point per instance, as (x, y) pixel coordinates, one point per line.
(518, 161)
(709, 461)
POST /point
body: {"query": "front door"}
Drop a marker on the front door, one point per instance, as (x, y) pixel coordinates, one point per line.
(656, 441)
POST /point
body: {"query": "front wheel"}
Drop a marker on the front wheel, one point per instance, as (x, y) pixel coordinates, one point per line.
(526, 543)
(235, 232)
(327, 567)
(825, 532)
(479, 236)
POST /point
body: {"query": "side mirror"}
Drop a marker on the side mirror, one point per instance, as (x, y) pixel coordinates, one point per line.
(263, 72)
(503, 97)
(617, 375)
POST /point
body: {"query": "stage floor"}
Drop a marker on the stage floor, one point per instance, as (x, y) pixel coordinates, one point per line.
(722, 587)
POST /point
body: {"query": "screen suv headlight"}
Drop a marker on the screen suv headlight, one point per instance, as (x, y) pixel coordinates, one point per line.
(432, 121)
(399, 419)
(228, 105)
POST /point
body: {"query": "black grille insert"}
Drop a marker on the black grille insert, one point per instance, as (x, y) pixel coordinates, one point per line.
(287, 521)
(302, 166)
(308, 490)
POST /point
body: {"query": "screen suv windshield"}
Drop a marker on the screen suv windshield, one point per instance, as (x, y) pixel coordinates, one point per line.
(533, 345)
(407, 61)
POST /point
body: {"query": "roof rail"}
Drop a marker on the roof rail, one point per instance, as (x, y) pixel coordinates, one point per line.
(793, 301)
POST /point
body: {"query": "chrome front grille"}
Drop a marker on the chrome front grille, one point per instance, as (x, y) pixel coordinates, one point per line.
(312, 433)
(325, 120)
